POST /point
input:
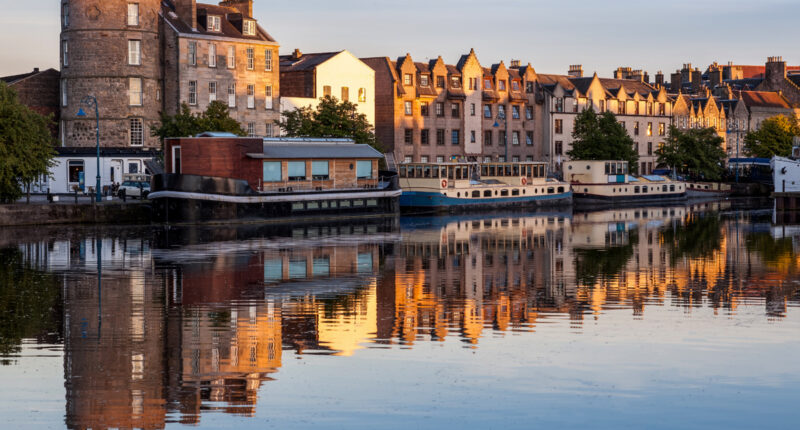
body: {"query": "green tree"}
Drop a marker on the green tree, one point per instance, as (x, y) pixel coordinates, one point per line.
(602, 137)
(331, 118)
(774, 137)
(696, 152)
(26, 145)
(185, 123)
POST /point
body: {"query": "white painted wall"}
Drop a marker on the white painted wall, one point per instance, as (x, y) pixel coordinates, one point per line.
(58, 183)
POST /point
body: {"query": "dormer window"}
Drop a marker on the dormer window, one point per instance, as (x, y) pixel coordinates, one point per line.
(423, 81)
(249, 27)
(407, 80)
(455, 81)
(515, 85)
(214, 23)
(501, 84)
(487, 84)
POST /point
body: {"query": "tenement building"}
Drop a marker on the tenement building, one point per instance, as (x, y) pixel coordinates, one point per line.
(142, 57)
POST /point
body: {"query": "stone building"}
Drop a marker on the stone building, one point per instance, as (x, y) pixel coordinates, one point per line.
(220, 53)
(701, 111)
(433, 111)
(306, 78)
(39, 91)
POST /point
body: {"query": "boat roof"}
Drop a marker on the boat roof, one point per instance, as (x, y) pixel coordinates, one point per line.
(309, 151)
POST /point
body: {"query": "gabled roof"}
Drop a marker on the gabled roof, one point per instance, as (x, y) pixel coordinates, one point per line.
(227, 28)
(765, 99)
(306, 61)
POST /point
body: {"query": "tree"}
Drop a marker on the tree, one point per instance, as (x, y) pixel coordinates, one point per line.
(26, 145)
(774, 137)
(185, 123)
(602, 137)
(696, 152)
(330, 119)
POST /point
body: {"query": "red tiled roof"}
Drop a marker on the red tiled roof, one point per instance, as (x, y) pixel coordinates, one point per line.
(765, 99)
(757, 72)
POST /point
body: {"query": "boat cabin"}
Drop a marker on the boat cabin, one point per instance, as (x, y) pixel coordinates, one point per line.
(277, 164)
(596, 172)
(508, 173)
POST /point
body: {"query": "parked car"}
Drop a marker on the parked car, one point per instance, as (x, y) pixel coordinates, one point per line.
(134, 189)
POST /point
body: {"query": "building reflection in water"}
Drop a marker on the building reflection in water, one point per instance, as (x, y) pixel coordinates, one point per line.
(202, 326)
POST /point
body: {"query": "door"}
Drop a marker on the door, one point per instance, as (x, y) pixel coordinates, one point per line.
(176, 159)
(115, 171)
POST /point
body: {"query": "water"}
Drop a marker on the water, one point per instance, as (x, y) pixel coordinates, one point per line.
(639, 318)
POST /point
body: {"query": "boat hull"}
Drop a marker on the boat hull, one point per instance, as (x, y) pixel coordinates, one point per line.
(595, 200)
(440, 202)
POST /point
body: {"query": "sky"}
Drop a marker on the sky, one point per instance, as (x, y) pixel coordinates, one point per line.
(599, 34)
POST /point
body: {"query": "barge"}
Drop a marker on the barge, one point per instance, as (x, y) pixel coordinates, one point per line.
(215, 178)
(608, 183)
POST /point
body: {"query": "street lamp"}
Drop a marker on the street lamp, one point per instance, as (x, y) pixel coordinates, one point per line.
(501, 116)
(91, 102)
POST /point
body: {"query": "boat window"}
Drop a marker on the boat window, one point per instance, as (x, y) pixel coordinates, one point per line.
(644, 189)
(402, 171)
(514, 192)
(297, 170)
(636, 190)
(503, 192)
(550, 190)
(450, 172)
(426, 171)
(320, 170)
(560, 189)
(541, 172)
(272, 171)
(664, 188)
(608, 168)
(515, 170)
(672, 187)
(476, 194)
(419, 172)
(492, 170)
(487, 193)
(364, 169)
(507, 170)
(435, 171)
(484, 170)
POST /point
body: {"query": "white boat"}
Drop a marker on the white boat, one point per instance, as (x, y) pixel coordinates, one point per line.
(708, 189)
(608, 183)
(460, 186)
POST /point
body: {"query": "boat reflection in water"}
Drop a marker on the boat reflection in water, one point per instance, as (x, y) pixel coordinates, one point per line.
(188, 322)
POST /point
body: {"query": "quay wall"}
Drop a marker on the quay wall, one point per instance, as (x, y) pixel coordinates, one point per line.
(83, 213)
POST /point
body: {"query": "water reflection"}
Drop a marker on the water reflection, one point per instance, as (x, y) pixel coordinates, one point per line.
(192, 321)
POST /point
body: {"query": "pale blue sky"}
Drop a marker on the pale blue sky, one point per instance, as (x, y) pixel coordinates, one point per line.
(600, 34)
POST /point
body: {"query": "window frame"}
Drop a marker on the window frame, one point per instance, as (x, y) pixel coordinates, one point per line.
(132, 134)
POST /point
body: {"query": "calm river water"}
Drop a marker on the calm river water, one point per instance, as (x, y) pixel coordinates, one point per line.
(680, 317)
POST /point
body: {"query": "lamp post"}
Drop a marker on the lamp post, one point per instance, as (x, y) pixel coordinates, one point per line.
(91, 102)
(501, 116)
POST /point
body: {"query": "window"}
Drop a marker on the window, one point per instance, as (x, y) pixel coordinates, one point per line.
(650, 108)
(272, 171)
(649, 128)
(269, 132)
(364, 169)
(408, 136)
(440, 82)
(455, 110)
(251, 96)
(440, 109)
(192, 93)
(636, 128)
(424, 138)
(297, 170)
(560, 104)
(559, 126)
(65, 52)
(440, 137)
(424, 108)
(440, 158)
(423, 81)
(251, 59)
(176, 161)
(63, 92)
(455, 82)
(249, 27)
(487, 138)
(212, 91)
(407, 159)
(362, 95)
(472, 109)
(192, 53)
(649, 148)
(74, 171)
(231, 57)
(662, 109)
(487, 111)
(501, 111)
(251, 129)
(326, 91)
(268, 97)
(136, 132)
(135, 91)
(268, 60)
(501, 84)
(472, 136)
(213, 23)
(515, 112)
(528, 112)
(232, 94)
(345, 94)
(515, 85)
(408, 108)
(133, 14)
(320, 170)
(212, 55)
(65, 14)
(502, 138)
(529, 138)
(515, 138)
(559, 147)
(407, 79)
(455, 137)
(662, 129)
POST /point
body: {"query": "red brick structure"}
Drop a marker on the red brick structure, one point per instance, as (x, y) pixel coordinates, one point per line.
(222, 157)
(39, 91)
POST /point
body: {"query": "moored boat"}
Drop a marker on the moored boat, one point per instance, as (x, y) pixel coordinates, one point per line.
(465, 186)
(609, 183)
(708, 189)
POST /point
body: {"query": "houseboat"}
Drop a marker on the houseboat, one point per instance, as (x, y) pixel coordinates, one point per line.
(463, 186)
(786, 180)
(608, 183)
(708, 189)
(216, 177)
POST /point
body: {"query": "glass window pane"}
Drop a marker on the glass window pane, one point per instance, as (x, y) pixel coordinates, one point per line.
(297, 170)
(319, 169)
(365, 262)
(273, 270)
(297, 269)
(322, 266)
(364, 169)
(272, 171)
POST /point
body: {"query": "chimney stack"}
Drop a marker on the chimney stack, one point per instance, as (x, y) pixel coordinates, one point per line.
(187, 12)
(515, 64)
(659, 78)
(576, 71)
(296, 54)
(245, 7)
(775, 69)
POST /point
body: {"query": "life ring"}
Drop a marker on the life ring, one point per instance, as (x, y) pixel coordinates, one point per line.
(524, 181)
(444, 183)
